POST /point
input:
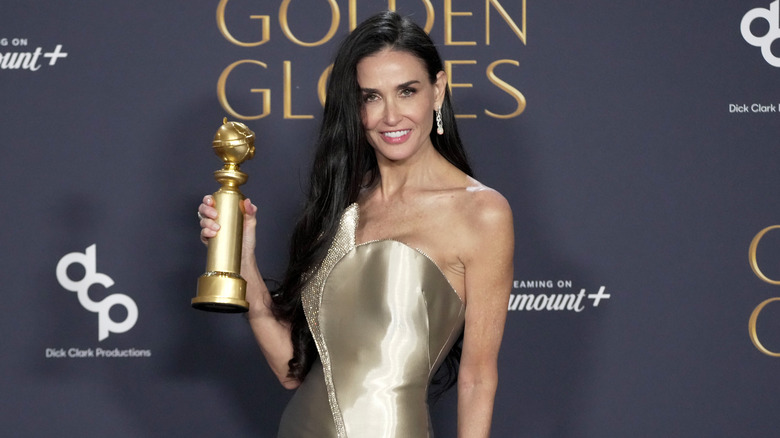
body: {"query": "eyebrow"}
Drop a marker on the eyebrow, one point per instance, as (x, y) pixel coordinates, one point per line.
(400, 86)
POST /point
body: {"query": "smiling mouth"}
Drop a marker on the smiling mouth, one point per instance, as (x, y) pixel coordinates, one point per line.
(396, 134)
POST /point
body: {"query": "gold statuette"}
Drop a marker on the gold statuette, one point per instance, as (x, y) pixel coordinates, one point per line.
(221, 288)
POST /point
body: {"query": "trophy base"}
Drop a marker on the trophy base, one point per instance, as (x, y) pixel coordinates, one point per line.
(221, 292)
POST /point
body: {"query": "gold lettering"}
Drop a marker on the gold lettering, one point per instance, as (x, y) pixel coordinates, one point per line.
(429, 16)
(334, 24)
(265, 92)
(322, 84)
(752, 328)
(264, 25)
(501, 11)
(508, 89)
(752, 255)
(391, 7)
(288, 94)
(448, 70)
(448, 14)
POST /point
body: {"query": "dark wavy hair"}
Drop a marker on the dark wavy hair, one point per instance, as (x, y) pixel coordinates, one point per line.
(344, 162)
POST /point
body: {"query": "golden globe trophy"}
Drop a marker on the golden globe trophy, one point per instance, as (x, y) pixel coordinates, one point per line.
(221, 288)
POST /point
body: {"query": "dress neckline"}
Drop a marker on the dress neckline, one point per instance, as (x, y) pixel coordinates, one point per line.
(356, 207)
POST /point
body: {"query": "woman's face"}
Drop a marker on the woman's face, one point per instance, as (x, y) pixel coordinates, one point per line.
(398, 103)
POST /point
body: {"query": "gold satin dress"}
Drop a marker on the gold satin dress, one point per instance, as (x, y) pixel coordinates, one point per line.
(384, 317)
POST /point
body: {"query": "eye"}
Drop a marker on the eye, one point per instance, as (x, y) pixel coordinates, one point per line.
(370, 97)
(407, 92)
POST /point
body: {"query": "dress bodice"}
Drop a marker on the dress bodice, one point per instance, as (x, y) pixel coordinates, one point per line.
(384, 317)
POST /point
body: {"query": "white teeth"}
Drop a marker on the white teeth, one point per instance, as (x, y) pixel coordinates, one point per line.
(396, 134)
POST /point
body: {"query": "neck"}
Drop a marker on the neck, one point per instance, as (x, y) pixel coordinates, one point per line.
(427, 169)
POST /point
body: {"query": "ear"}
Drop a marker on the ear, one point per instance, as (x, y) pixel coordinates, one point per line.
(439, 86)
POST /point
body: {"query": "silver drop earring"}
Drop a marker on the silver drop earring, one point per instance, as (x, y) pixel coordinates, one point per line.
(439, 125)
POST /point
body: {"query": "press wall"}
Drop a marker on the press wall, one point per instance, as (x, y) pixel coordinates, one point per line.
(637, 143)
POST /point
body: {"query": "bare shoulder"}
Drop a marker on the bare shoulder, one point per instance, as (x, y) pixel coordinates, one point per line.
(485, 227)
(486, 209)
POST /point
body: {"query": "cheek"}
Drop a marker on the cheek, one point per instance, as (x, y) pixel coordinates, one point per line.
(426, 117)
(369, 118)
(368, 125)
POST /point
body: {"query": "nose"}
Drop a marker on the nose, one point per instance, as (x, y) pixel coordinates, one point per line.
(392, 113)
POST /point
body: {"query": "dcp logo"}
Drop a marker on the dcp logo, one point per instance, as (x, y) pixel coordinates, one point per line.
(772, 16)
(87, 259)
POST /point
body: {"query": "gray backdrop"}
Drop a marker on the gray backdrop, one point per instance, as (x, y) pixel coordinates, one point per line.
(640, 167)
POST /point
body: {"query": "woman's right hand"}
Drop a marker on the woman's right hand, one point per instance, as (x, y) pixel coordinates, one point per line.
(209, 226)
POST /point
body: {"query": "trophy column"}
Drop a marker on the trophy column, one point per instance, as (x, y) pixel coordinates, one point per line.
(221, 288)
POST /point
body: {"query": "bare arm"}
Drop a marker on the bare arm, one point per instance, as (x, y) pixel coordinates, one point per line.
(488, 283)
(272, 335)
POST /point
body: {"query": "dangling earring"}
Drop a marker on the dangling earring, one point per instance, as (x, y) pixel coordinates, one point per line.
(439, 125)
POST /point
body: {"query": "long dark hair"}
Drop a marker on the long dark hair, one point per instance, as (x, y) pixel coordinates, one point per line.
(344, 161)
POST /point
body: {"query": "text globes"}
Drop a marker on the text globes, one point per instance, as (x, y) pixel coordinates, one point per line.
(497, 74)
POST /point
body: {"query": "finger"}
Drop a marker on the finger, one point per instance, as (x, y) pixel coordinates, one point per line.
(250, 222)
(209, 224)
(207, 212)
(206, 234)
(249, 208)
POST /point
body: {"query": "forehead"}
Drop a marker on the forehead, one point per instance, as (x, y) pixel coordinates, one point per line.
(389, 67)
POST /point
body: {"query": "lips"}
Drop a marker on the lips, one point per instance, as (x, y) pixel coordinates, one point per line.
(396, 136)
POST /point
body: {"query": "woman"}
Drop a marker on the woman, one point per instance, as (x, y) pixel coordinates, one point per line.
(398, 251)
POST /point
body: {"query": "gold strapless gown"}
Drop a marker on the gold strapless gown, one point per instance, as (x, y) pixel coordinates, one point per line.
(383, 317)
